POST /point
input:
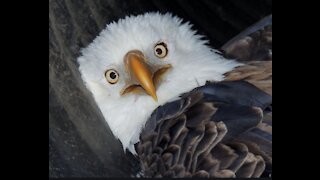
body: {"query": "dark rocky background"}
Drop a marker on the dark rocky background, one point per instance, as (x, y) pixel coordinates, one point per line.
(80, 142)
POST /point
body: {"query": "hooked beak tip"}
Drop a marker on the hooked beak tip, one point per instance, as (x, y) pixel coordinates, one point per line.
(155, 97)
(139, 70)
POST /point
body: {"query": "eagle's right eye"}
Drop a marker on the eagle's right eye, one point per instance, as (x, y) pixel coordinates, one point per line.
(161, 50)
(112, 76)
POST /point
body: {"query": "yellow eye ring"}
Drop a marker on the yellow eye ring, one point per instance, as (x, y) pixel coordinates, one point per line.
(112, 76)
(160, 50)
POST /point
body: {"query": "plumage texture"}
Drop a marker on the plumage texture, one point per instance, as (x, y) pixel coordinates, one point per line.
(258, 73)
(252, 44)
(209, 132)
(193, 64)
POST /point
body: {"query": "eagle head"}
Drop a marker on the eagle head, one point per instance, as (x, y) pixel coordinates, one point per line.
(142, 62)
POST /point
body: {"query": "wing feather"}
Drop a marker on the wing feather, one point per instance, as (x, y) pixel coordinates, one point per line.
(210, 132)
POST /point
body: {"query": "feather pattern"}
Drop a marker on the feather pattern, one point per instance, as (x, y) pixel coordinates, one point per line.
(252, 44)
(198, 136)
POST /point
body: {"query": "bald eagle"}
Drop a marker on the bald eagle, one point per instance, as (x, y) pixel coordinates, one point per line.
(163, 92)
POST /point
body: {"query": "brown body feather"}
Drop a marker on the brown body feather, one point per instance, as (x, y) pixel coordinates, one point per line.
(188, 143)
(258, 73)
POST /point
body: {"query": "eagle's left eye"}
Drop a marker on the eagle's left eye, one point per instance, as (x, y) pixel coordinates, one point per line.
(161, 50)
(112, 76)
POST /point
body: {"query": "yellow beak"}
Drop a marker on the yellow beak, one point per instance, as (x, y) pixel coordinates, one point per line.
(140, 72)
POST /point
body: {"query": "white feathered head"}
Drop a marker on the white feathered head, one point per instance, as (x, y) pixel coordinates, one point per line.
(144, 61)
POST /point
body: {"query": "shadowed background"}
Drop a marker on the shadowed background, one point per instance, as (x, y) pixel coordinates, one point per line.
(80, 142)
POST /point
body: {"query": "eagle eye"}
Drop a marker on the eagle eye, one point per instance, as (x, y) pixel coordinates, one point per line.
(161, 50)
(112, 76)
